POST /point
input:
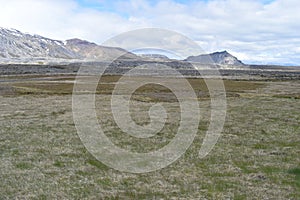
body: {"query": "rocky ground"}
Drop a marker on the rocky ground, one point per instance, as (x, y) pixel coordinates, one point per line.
(119, 67)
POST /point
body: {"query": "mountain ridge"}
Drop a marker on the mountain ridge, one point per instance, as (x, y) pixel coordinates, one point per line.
(19, 47)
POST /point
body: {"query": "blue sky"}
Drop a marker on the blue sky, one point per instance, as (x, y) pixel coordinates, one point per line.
(254, 31)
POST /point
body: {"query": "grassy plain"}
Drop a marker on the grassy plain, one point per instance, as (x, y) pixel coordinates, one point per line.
(42, 157)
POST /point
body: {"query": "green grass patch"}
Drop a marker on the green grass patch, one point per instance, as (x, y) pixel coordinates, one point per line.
(296, 172)
(104, 182)
(260, 146)
(270, 169)
(239, 196)
(24, 165)
(58, 163)
(246, 167)
(97, 164)
(287, 96)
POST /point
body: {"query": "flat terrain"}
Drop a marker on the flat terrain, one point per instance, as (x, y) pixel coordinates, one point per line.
(42, 157)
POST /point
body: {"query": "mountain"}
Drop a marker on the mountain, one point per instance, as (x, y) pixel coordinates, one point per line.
(15, 45)
(222, 58)
(89, 50)
(18, 47)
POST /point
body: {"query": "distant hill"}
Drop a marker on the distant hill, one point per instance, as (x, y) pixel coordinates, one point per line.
(223, 58)
(155, 57)
(89, 50)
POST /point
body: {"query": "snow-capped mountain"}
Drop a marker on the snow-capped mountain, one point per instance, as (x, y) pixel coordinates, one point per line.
(222, 58)
(15, 45)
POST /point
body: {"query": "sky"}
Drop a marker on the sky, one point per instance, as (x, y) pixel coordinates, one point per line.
(255, 31)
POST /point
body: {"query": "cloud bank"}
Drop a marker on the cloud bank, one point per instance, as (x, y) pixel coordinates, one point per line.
(255, 31)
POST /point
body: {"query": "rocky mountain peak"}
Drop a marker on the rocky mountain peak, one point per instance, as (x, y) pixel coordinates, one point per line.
(222, 58)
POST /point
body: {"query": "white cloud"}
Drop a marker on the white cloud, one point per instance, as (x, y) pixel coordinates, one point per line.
(250, 29)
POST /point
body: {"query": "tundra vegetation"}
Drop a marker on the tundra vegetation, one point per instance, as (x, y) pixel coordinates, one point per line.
(42, 157)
